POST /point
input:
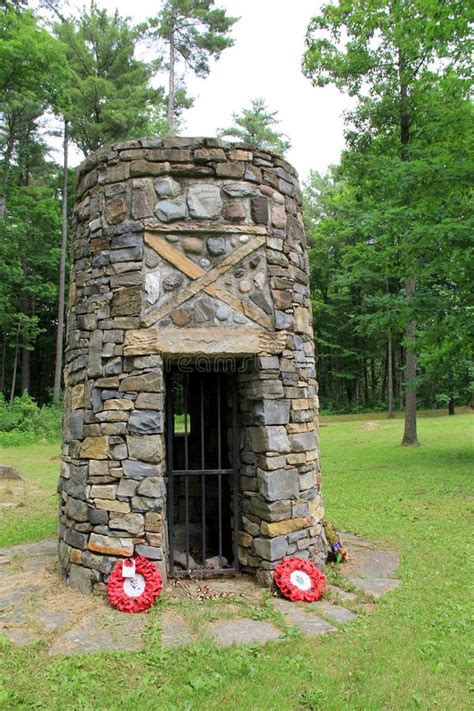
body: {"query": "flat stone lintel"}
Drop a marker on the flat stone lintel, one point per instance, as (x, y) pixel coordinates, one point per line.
(214, 341)
(204, 226)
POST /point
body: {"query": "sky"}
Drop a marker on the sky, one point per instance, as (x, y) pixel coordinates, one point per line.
(264, 61)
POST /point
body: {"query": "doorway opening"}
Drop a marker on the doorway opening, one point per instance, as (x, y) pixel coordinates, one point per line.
(202, 453)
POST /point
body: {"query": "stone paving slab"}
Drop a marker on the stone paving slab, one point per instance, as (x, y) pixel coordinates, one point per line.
(375, 586)
(98, 634)
(306, 621)
(243, 631)
(35, 604)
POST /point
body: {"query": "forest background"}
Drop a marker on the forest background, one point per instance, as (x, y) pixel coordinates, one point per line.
(389, 226)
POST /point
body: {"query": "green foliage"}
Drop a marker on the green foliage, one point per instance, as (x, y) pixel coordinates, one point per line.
(23, 422)
(395, 232)
(257, 125)
(111, 95)
(199, 31)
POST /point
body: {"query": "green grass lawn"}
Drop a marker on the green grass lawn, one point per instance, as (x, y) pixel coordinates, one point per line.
(411, 652)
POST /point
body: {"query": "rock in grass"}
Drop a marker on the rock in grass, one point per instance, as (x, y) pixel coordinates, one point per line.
(9, 473)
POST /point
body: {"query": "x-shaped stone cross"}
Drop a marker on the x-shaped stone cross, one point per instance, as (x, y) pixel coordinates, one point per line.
(204, 280)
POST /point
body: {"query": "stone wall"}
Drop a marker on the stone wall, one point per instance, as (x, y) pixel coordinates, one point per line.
(186, 247)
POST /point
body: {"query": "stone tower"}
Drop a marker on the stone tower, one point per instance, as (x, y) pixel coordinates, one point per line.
(188, 255)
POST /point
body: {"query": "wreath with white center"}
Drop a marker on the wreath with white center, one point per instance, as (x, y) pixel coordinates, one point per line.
(300, 580)
(134, 585)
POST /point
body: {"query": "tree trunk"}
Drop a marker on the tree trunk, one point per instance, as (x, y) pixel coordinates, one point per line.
(410, 435)
(389, 374)
(451, 405)
(62, 275)
(4, 362)
(401, 392)
(15, 365)
(171, 86)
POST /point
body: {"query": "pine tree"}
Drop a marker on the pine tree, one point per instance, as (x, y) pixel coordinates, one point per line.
(194, 31)
(257, 125)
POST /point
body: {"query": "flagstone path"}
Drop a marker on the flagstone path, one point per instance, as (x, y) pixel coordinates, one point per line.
(36, 606)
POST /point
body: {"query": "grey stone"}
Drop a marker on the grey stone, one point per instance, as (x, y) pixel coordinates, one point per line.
(375, 586)
(98, 516)
(131, 522)
(216, 246)
(173, 281)
(129, 254)
(127, 240)
(204, 202)
(283, 321)
(77, 509)
(154, 487)
(145, 503)
(96, 634)
(138, 470)
(222, 313)
(270, 548)
(269, 439)
(126, 487)
(81, 578)
(75, 539)
(76, 424)
(272, 412)
(151, 552)
(243, 631)
(237, 190)
(335, 612)
(167, 188)
(303, 441)
(145, 422)
(171, 210)
(279, 484)
(307, 622)
(152, 286)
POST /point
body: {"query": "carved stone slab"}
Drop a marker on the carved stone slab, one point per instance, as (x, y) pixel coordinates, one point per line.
(212, 341)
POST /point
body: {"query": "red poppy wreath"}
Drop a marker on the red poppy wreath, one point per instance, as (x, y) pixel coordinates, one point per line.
(134, 585)
(300, 580)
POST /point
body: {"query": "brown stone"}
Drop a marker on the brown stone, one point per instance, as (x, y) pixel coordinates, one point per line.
(110, 545)
(149, 382)
(245, 286)
(193, 245)
(282, 299)
(116, 210)
(153, 522)
(209, 154)
(107, 491)
(127, 301)
(112, 505)
(260, 209)
(95, 448)
(149, 401)
(230, 170)
(240, 155)
(118, 404)
(303, 320)
(279, 216)
(280, 528)
(76, 556)
(234, 212)
(150, 170)
(77, 396)
(181, 317)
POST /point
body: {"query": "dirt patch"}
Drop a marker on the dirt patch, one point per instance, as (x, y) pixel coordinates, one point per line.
(370, 426)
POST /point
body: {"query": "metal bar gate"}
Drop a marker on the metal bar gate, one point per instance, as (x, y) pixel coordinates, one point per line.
(202, 452)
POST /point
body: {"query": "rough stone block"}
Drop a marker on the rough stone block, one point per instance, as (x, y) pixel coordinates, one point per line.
(147, 448)
(204, 201)
(95, 448)
(110, 545)
(272, 412)
(145, 422)
(132, 522)
(138, 470)
(303, 441)
(82, 579)
(150, 552)
(279, 484)
(270, 548)
(269, 439)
